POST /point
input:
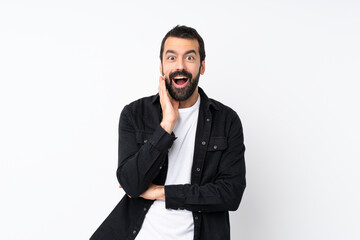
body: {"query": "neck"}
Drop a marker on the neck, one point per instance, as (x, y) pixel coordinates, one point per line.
(191, 100)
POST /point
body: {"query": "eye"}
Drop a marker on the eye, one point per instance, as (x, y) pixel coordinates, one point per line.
(189, 58)
(171, 58)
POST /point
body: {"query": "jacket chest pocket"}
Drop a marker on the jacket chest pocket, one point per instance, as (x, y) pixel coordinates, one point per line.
(217, 144)
(214, 153)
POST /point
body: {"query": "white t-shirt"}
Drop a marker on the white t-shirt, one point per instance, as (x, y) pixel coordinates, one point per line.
(161, 223)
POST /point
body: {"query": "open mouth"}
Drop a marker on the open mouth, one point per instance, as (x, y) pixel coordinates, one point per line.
(180, 81)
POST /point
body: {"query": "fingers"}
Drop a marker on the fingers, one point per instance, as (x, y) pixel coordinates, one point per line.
(154, 192)
(165, 97)
(162, 87)
(161, 80)
(169, 107)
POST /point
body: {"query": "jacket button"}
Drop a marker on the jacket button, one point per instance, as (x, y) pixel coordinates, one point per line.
(198, 169)
(145, 141)
(134, 231)
(160, 167)
(215, 147)
(208, 119)
(203, 143)
(145, 209)
(196, 218)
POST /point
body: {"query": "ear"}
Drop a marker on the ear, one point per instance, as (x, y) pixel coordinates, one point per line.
(202, 67)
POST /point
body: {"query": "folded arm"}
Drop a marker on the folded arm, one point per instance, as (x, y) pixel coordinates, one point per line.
(139, 165)
(225, 192)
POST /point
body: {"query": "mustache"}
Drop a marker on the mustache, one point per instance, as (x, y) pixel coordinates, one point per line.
(182, 73)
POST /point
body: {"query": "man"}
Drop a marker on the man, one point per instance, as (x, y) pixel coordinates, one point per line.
(181, 155)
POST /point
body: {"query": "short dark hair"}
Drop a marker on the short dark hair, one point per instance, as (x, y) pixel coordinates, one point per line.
(184, 32)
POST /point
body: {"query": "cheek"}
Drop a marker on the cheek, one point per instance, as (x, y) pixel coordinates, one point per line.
(166, 70)
(195, 70)
(195, 67)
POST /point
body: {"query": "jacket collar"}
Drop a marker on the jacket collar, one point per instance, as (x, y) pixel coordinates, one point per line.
(204, 98)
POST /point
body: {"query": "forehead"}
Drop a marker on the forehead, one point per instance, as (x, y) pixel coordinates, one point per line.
(181, 45)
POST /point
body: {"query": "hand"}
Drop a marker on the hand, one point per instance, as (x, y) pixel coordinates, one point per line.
(154, 192)
(169, 107)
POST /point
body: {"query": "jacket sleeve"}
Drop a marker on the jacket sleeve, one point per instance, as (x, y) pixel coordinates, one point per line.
(224, 193)
(139, 164)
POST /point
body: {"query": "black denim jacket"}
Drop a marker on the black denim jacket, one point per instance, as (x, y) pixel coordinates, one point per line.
(217, 177)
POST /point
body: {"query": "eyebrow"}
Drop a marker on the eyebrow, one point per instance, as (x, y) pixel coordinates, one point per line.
(187, 52)
(191, 51)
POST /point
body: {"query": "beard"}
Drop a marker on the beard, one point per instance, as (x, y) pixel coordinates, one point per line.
(182, 94)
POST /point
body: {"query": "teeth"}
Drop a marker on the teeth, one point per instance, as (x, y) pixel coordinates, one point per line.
(179, 77)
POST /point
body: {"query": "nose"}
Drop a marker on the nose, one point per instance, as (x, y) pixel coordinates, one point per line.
(180, 64)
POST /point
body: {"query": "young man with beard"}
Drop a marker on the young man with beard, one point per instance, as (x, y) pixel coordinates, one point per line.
(181, 155)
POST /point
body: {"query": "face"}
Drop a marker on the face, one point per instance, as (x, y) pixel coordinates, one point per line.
(181, 67)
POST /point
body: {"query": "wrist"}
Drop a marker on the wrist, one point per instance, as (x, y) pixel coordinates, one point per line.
(161, 195)
(167, 126)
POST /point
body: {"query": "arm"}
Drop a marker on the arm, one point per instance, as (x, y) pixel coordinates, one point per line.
(224, 193)
(139, 166)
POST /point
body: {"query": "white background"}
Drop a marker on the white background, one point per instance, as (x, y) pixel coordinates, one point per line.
(289, 68)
